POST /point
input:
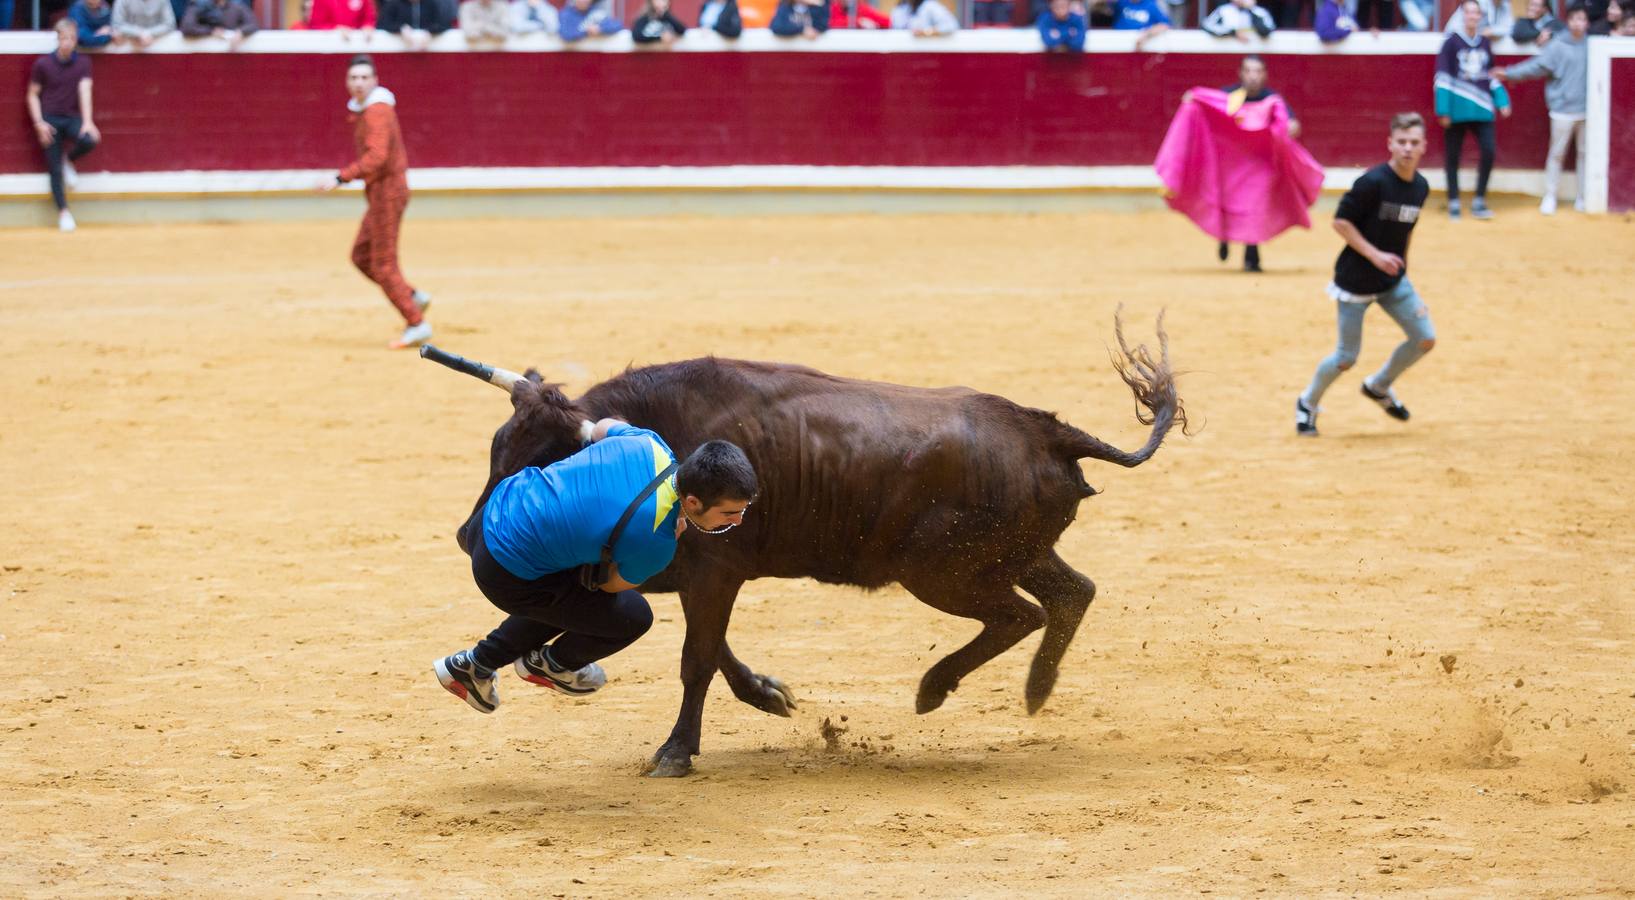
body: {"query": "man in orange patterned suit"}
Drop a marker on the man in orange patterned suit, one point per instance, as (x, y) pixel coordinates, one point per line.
(383, 165)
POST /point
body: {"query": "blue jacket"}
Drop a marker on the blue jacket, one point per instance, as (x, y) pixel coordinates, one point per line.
(574, 23)
(1138, 15)
(90, 22)
(1068, 33)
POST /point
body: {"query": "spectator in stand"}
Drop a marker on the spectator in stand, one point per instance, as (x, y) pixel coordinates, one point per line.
(1565, 60)
(926, 18)
(1417, 15)
(1145, 16)
(722, 17)
(1063, 28)
(485, 21)
(1383, 18)
(868, 18)
(225, 19)
(992, 13)
(1333, 24)
(1609, 22)
(1496, 22)
(59, 104)
(657, 24)
(534, 17)
(141, 22)
(342, 15)
(95, 21)
(801, 18)
(1538, 26)
(1626, 26)
(583, 18)
(1241, 18)
(416, 21)
(1466, 98)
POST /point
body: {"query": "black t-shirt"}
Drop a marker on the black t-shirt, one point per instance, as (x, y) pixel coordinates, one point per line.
(1385, 209)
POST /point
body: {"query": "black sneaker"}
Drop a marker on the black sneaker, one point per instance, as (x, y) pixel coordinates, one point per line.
(537, 668)
(1223, 251)
(1305, 418)
(1387, 402)
(458, 674)
(1251, 258)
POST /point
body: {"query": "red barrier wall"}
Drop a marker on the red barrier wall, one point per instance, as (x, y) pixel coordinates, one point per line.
(285, 111)
(1621, 170)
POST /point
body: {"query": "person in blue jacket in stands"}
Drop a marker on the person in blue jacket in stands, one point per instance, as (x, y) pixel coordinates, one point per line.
(1062, 28)
(584, 18)
(95, 19)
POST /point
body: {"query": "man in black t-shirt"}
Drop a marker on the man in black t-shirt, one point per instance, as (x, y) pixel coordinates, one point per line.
(1376, 218)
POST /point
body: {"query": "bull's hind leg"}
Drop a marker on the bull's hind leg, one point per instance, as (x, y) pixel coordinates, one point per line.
(1005, 616)
(763, 692)
(1065, 594)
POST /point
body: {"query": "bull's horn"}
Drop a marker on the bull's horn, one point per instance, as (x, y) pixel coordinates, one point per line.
(501, 378)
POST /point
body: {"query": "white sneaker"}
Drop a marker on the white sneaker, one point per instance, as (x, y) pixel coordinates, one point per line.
(537, 668)
(1578, 205)
(1547, 206)
(413, 336)
(422, 300)
(65, 221)
(70, 175)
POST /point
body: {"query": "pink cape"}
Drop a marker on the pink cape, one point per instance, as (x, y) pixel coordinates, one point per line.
(1239, 176)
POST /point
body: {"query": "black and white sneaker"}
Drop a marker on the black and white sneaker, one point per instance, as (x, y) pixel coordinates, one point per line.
(458, 674)
(537, 668)
(1387, 401)
(1305, 418)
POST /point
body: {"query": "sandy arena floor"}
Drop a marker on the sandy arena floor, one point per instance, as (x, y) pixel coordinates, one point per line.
(1396, 658)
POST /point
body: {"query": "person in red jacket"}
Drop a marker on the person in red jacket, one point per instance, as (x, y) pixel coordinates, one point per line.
(867, 16)
(383, 165)
(343, 15)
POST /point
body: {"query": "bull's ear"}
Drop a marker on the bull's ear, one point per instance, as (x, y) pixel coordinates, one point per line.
(525, 393)
(534, 376)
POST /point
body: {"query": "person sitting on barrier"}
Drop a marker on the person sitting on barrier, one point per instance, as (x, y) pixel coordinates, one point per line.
(225, 19)
(1145, 16)
(722, 17)
(94, 19)
(1062, 28)
(485, 21)
(926, 18)
(534, 17)
(416, 21)
(584, 18)
(141, 22)
(1334, 23)
(801, 18)
(1241, 18)
(868, 18)
(59, 104)
(1537, 26)
(1497, 20)
(657, 25)
(344, 16)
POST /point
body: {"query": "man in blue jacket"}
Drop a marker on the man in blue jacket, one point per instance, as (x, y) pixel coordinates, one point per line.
(95, 19)
(536, 550)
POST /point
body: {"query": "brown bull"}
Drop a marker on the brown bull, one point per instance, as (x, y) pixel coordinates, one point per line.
(957, 495)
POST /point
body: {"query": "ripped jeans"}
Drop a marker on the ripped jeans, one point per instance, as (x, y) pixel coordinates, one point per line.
(1402, 304)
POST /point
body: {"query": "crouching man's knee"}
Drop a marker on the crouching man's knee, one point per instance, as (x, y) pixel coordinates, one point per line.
(1427, 344)
(1345, 362)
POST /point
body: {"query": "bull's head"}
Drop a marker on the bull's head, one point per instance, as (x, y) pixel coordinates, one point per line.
(544, 427)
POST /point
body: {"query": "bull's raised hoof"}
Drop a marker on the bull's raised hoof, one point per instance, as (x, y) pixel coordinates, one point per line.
(670, 762)
(767, 694)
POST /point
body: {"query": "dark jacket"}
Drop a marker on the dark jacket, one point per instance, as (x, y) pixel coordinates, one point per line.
(426, 15)
(1528, 30)
(792, 18)
(650, 29)
(205, 16)
(89, 23)
(723, 16)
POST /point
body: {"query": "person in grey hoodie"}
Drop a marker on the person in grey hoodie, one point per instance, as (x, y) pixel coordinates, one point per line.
(1565, 60)
(141, 22)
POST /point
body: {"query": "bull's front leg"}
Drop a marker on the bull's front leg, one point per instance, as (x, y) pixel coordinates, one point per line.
(763, 692)
(707, 604)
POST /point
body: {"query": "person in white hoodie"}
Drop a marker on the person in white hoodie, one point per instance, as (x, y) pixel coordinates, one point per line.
(1565, 60)
(141, 22)
(926, 18)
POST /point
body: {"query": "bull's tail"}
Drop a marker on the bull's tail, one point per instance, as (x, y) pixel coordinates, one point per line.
(1157, 403)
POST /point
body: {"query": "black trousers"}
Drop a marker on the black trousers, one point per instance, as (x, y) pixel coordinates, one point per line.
(64, 128)
(1384, 11)
(587, 625)
(1454, 137)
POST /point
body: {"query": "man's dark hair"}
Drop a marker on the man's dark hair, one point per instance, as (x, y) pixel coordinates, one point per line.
(715, 472)
(1249, 58)
(1576, 8)
(1402, 121)
(362, 59)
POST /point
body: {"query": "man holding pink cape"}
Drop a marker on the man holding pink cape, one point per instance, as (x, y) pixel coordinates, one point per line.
(1230, 163)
